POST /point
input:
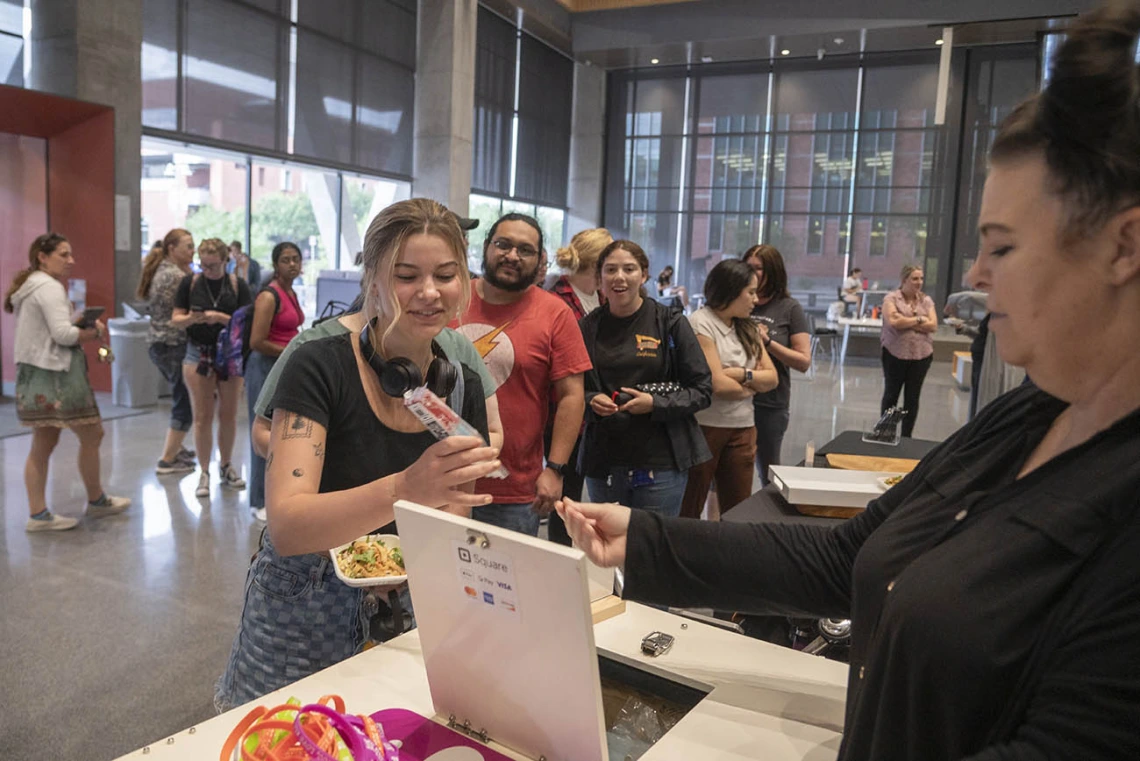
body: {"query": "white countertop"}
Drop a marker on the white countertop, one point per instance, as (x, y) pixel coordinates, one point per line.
(767, 702)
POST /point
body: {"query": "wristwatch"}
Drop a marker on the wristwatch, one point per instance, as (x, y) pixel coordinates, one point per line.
(767, 342)
(557, 467)
(747, 376)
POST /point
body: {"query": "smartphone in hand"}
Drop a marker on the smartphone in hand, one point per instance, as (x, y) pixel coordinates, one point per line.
(90, 315)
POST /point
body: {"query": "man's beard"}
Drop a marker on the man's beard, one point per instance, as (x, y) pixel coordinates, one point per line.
(525, 281)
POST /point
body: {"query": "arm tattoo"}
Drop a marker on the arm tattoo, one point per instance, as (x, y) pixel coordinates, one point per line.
(319, 449)
(269, 462)
(297, 472)
(297, 427)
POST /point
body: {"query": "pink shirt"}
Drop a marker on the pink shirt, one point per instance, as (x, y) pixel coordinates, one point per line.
(288, 319)
(907, 343)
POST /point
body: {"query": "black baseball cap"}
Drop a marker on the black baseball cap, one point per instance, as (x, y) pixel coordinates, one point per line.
(466, 223)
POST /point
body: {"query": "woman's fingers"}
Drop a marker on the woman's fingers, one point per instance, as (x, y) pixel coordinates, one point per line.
(471, 473)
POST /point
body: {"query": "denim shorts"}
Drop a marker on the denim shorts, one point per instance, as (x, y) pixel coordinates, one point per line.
(193, 354)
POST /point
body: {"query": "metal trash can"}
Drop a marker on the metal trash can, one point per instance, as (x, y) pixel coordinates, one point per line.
(133, 375)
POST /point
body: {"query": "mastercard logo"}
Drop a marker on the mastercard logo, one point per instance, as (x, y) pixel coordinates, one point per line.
(470, 592)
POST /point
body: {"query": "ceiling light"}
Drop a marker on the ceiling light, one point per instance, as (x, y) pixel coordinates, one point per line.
(938, 42)
(706, 59)
(785, 51)
(655, 60)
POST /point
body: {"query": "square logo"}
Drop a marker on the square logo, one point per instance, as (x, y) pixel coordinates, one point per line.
(488, 598)
(464, 555)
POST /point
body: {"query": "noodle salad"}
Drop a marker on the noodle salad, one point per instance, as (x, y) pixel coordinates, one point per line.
(368, 558)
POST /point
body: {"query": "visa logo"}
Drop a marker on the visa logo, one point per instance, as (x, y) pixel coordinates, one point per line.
(504, 586)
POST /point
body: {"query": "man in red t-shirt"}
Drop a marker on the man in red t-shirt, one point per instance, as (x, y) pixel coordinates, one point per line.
(533, 349)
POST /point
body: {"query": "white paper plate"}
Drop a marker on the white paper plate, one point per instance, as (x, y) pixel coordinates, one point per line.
(882, 482)
(391, 541)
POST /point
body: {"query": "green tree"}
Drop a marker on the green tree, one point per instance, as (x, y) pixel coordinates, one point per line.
(208, 222)
(282, 217)
(360, 201)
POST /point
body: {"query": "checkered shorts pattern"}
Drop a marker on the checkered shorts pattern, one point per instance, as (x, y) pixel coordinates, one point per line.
(298, 618)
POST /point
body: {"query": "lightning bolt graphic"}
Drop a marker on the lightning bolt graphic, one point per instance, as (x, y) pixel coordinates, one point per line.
(485, 343)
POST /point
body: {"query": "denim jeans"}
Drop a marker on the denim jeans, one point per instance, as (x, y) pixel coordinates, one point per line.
(168, 360)
(257, 369)
(514, 517)
(663, 496)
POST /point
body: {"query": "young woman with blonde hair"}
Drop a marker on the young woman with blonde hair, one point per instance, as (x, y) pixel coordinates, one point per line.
(322, 487)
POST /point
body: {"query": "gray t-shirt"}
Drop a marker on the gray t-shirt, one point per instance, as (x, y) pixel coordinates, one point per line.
(784, 318)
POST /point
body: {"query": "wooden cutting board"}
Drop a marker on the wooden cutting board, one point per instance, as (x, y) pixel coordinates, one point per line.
(876, 464)
(822, 511)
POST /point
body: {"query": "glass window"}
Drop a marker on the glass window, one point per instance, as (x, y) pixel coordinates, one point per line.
(363, 198)
(385, 96)
(546, 90)
(12, 17)
(202, 191)
(231, 69)
(389, 29)
(494, 103)
(306, 215)
(160, 64)
(323, 121)
(11, 60)
(812, 100)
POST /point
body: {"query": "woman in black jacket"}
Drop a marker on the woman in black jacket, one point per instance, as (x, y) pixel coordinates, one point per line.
(994, 593)
(639, 444)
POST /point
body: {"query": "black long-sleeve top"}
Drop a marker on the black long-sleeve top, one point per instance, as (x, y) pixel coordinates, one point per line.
(994, 619)
(672, 348)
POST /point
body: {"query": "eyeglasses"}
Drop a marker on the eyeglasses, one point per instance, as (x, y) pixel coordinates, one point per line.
(524, 251)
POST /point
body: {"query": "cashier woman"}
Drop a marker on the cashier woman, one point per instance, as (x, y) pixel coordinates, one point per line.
(343, 449)
(995, 592)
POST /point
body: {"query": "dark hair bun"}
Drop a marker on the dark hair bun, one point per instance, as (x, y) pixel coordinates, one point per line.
(1086, 122)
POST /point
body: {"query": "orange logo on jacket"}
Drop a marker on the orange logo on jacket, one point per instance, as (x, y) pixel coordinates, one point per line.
(647, 345)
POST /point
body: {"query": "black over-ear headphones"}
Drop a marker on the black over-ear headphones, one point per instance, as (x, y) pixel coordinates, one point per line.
(400, 374)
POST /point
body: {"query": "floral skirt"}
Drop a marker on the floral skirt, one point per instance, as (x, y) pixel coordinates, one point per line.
(57, 398)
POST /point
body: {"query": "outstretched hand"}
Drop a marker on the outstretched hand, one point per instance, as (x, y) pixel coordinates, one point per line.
(598, 530)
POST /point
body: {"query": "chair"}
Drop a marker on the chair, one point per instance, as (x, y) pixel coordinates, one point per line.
(818, 336)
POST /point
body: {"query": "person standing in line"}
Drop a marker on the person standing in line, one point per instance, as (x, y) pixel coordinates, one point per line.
(786, 336)
(578, 287)
(741, 368)
(277, 318)
(532, 346)
(638, 452)
(852, 287)
(203, 306)
(344, 449)
(909, 322)
(162, 272)
(245, 266)
(52, 390)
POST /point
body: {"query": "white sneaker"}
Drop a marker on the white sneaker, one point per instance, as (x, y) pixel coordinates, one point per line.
(231, 478)
(110, 506)
(259, 514)
(52, 522)
(203, 489)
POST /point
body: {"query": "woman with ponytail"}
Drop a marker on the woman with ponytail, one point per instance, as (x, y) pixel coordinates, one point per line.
(994, 593)
(163, 269)
(52, 390)
(578, 287)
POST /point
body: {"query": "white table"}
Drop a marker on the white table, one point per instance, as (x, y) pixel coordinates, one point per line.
(864, 323)
(767, 702)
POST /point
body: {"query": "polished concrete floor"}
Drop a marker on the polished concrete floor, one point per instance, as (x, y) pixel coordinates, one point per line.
(111, 635)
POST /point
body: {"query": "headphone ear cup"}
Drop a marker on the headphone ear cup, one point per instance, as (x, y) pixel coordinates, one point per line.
(442, 377)
(400, 374)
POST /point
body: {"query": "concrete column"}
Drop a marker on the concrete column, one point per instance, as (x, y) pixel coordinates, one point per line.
(445, 102)
(91, 50)
(587, 147)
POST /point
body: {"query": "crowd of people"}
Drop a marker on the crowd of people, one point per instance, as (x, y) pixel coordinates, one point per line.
(953, 655)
